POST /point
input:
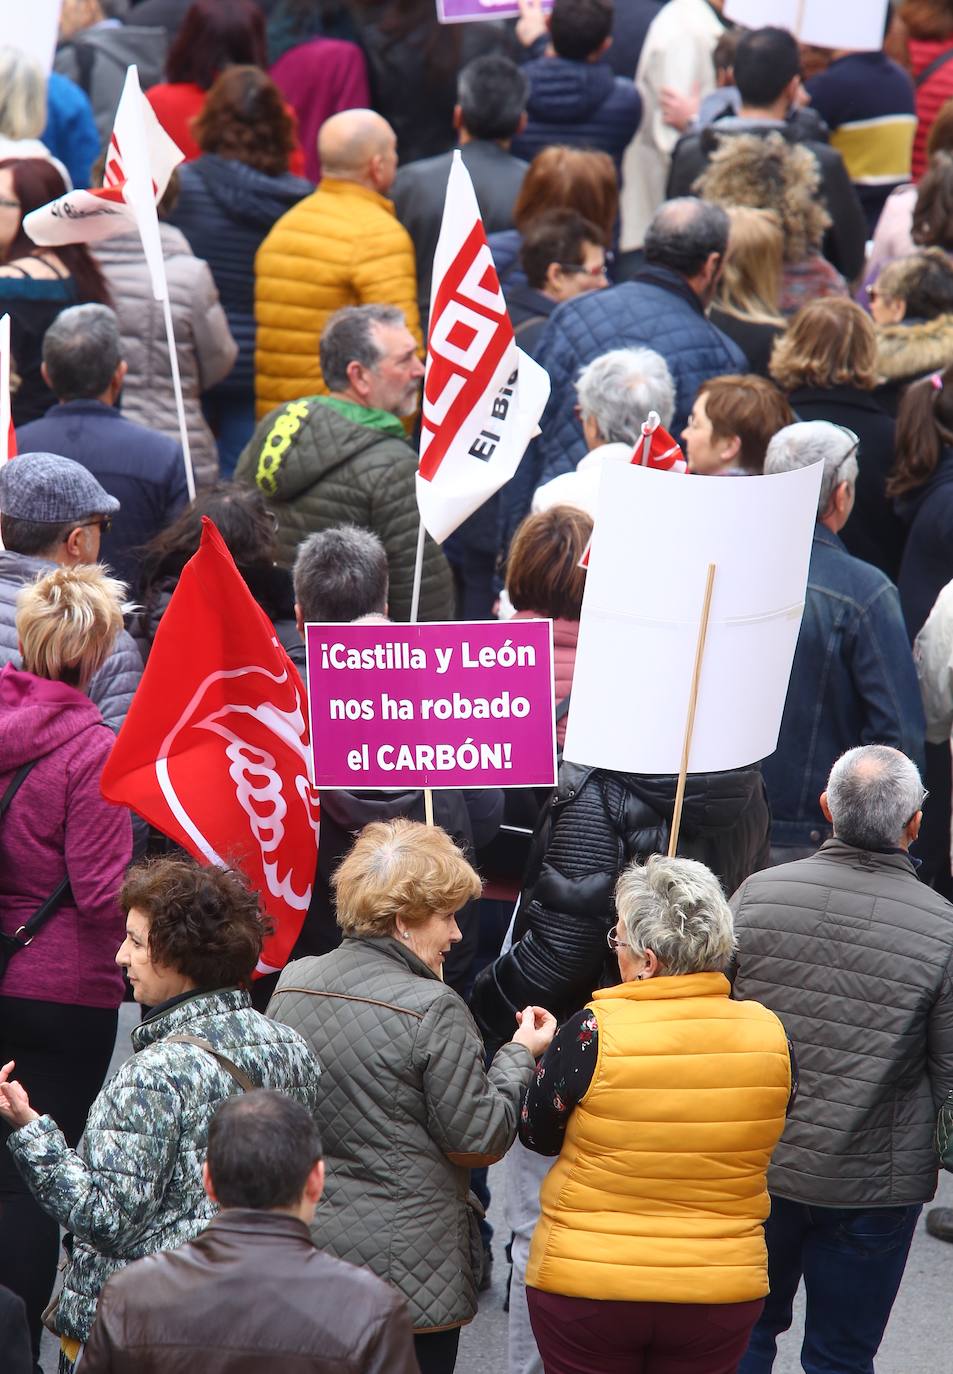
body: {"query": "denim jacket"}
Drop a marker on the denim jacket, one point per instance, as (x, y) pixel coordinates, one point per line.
(853, 682)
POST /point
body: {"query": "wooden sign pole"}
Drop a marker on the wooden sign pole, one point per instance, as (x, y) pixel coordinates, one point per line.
(690, 720)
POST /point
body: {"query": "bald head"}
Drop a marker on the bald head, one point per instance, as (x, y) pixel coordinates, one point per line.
(359, 145)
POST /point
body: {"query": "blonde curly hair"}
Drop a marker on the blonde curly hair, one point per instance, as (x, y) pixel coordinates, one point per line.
(67, 622)
(769, 174)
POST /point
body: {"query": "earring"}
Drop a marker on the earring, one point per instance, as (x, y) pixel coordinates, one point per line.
(405, 934)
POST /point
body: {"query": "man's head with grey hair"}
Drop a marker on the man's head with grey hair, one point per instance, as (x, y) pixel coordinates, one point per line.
(689, 236)
(491, 98)
(369, 356)
(340, 575)
(82, 354)
(817, 441)
(873, 798)
(617, 391)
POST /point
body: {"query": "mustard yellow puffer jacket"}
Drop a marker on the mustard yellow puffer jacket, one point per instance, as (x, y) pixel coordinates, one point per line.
(340, 246)
(659, 1193)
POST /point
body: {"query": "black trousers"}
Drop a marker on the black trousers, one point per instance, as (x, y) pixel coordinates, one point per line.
(437, 1353)
(62, 1053)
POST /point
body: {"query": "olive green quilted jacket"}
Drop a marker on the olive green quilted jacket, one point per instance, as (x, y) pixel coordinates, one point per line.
(406, 1109)
(319, 468)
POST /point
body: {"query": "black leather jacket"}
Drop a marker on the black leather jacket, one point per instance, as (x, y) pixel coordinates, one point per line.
(601, 821)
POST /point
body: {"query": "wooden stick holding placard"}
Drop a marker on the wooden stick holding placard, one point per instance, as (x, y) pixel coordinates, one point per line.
(690, 720)
(414, 607)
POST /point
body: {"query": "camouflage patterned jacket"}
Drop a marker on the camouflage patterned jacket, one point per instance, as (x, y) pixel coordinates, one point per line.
(137, 1185)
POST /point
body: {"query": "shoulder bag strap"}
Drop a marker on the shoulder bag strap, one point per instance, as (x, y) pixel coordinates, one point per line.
(933, 67)
(16, 782)
(231, 1068)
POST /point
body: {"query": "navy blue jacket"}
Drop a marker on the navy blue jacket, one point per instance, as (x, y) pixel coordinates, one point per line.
(583, 104)
(657, 310)
(853, 682)
(143, 470)
(927, 563)
(225, 209)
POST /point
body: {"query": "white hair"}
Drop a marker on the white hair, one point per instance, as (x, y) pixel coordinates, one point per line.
(873, 793)
(619, 389)
(815, 441)
(676, 908)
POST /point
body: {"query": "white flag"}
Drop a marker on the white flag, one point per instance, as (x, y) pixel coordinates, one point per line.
(482, 395)
(139, 162)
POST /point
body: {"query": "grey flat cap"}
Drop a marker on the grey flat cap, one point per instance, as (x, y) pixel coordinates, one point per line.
(51, 489)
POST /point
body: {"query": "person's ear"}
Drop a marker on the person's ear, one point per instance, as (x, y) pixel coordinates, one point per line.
(207, 1182)
(554, 277)
(119, 376)
(314, 1184)
(912, 829)
(357, 378)
(299, 619)
(523, 121)
(72, 547)
(825, 809)
(602, 49)
(843, 498)
(45, 375)
(731, 451)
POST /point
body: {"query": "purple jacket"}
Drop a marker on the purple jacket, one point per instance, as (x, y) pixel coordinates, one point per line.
(58, 820)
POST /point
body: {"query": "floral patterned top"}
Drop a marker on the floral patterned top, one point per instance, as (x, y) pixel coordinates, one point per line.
(559, 1084)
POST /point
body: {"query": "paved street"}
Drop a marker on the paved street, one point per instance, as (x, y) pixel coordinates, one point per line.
(919, 1339)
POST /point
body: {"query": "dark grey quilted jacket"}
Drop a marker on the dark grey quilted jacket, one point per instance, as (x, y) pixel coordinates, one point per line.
(137, 1185)
(855, 955)
(406, 1109)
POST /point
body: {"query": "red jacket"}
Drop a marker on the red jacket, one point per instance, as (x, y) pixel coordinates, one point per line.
(178, 103)
(935, 92)
(58, 823)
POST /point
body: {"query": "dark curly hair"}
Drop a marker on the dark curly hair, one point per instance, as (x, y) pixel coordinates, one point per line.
(214, 35)
(244, 119)
(204, 922)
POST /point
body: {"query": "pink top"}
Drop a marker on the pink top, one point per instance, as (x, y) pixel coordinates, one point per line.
(58, 823)
(565, 637)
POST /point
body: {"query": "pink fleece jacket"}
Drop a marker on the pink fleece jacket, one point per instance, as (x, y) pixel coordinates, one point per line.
(59, 823)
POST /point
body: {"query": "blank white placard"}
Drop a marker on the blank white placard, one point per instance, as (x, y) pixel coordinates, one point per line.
(857, 25)
(32, 27)
(655, 535)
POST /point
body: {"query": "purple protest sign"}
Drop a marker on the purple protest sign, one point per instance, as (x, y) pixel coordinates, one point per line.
(466, 704)
(461, 11)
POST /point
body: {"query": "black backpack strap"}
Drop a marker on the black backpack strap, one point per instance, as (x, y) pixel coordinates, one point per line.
(231, 1068)
(19, 777)
(933, 67)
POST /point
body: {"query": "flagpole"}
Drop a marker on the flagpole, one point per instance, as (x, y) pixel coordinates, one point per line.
(177, 388)
(690, 719)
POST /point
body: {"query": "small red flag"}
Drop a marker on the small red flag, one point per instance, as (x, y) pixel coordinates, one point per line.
(214, 750)
(657, 448)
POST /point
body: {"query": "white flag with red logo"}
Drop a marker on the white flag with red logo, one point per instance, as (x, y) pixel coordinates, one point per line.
(8, 438)
(140, 160)
(482, 395)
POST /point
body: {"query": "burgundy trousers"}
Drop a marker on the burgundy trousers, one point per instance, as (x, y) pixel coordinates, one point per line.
(589, 1336)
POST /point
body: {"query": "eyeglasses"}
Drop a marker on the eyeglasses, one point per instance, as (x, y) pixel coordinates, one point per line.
(575, 268)
(105, 523)
(6, 204)
(614, 943)
(919, 808)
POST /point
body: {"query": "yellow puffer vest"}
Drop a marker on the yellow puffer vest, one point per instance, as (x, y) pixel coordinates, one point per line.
(659, 1193)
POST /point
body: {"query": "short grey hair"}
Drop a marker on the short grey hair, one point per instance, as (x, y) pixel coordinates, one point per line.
(348, 337)
(676, 908)
(684, 232)
(619, 389)
(81, 350)
(815, 441)
(873, 793)
(22, 95)
(340, 575)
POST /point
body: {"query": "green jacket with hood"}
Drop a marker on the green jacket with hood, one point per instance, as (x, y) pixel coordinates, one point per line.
(322, 462)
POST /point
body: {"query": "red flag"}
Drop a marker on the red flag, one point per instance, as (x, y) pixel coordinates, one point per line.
(657, 448)
(214, 750)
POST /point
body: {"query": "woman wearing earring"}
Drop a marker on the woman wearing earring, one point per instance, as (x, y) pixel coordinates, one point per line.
(407, 1107)
(664, 1101)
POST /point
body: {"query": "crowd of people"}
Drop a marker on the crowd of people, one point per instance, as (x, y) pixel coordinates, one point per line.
(710, 1076)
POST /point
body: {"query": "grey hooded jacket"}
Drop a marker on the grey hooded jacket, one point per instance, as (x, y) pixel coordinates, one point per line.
(136, 1187)
(855, 955)
(406, 1110)
(113, 686)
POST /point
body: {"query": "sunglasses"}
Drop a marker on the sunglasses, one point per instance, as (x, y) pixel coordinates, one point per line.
(105, 523)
